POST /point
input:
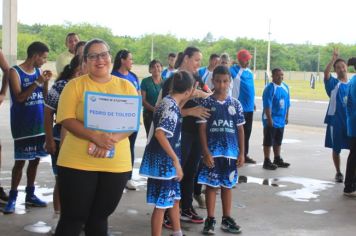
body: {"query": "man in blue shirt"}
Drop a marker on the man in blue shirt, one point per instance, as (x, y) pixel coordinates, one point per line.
(244, 91)
(276, 104)
(168, 72)
(350, 178)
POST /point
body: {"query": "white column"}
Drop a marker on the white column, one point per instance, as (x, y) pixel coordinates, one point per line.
(9, 30)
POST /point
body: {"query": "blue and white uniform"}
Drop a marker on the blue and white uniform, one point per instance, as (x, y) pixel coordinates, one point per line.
(130, 77)
(166, 73)
(243, 87)
(52, 103)
(162, 188)
(207, 76)
(335, 118)
(27, 119)
(223, 143)
(276, 97)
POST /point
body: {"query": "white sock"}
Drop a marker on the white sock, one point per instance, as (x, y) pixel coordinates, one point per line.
(177, 233)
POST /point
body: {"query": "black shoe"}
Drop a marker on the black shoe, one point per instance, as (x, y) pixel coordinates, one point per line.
(339, 178)
(209, 226)
(280, 163)
(190, 215)
(229, 225)
(268, 165)
(249, 160)
(3, 196)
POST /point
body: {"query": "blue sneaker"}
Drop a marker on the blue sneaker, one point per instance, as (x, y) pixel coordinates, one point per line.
(11, 203)
(33, 200)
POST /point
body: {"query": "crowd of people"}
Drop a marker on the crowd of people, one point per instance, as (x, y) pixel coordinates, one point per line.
(198, 123)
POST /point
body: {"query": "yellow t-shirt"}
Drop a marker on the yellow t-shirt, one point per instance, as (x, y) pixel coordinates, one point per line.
(74, 150)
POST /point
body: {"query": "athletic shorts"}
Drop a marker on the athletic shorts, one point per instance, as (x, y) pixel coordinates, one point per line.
(336, 139)
(163, 192)
(29, 148)
(223, 174)
(272, 136)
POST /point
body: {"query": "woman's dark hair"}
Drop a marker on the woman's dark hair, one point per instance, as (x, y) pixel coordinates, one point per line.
(153, 63)
(189, 52)
(339, 60)
(69, 69)
(221, 70)
(90, 43)
(182, 82)
(36, 48)
(122, 54)
(276, 70)
(78, 45)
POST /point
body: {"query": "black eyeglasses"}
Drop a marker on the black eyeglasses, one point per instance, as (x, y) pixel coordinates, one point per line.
(97, 56)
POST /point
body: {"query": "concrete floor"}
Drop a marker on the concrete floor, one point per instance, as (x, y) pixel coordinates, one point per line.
(300, 200)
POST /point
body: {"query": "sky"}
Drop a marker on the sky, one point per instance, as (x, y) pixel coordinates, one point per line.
(292, 21)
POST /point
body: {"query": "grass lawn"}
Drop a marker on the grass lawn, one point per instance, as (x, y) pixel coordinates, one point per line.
(299, 89)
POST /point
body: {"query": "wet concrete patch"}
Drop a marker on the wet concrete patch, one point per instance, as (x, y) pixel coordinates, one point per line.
(316, 212)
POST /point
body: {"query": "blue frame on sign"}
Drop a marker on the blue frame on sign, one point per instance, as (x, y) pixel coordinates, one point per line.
(87, 93)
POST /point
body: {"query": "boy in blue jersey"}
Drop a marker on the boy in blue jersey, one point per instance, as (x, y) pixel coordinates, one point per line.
(206, 73)
(222, 140)
(161, 161)
(276, 104)
(168, 72)
(243, 89)
(336, 131)
(350, 178)
(28, 87)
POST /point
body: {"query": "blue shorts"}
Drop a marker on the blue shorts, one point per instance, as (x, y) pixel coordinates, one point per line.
(29, 148)
(163, 193)
(223, 174)
(336, 139)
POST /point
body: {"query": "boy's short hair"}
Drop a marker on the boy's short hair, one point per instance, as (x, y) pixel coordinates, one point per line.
(221, 70)
(339, 60)
(36, 48)
(172, 54)
(276, 70)
(213, 56)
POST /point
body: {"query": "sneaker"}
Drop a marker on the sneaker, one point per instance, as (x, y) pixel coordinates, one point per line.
(229, 225)
(131, 185)
(350, 194)
(189, 215)
(3, 196)
(10, 206)
(209, 226)
(339, 178)
(280, 163)
(33, 200)
(201, 201)
(166, 221)
(249, 160)
(268, 165)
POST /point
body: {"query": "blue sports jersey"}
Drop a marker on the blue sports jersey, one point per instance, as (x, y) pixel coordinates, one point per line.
(336, 113)
(276, 97)
(166, 73)
(243, 87)
(130, 77)
(27, 117)
(155, 162)
(351, 108)
(221, 126)
(206, 76)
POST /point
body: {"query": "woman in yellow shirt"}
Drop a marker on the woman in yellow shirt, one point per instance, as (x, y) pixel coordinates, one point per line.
(90, 186)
